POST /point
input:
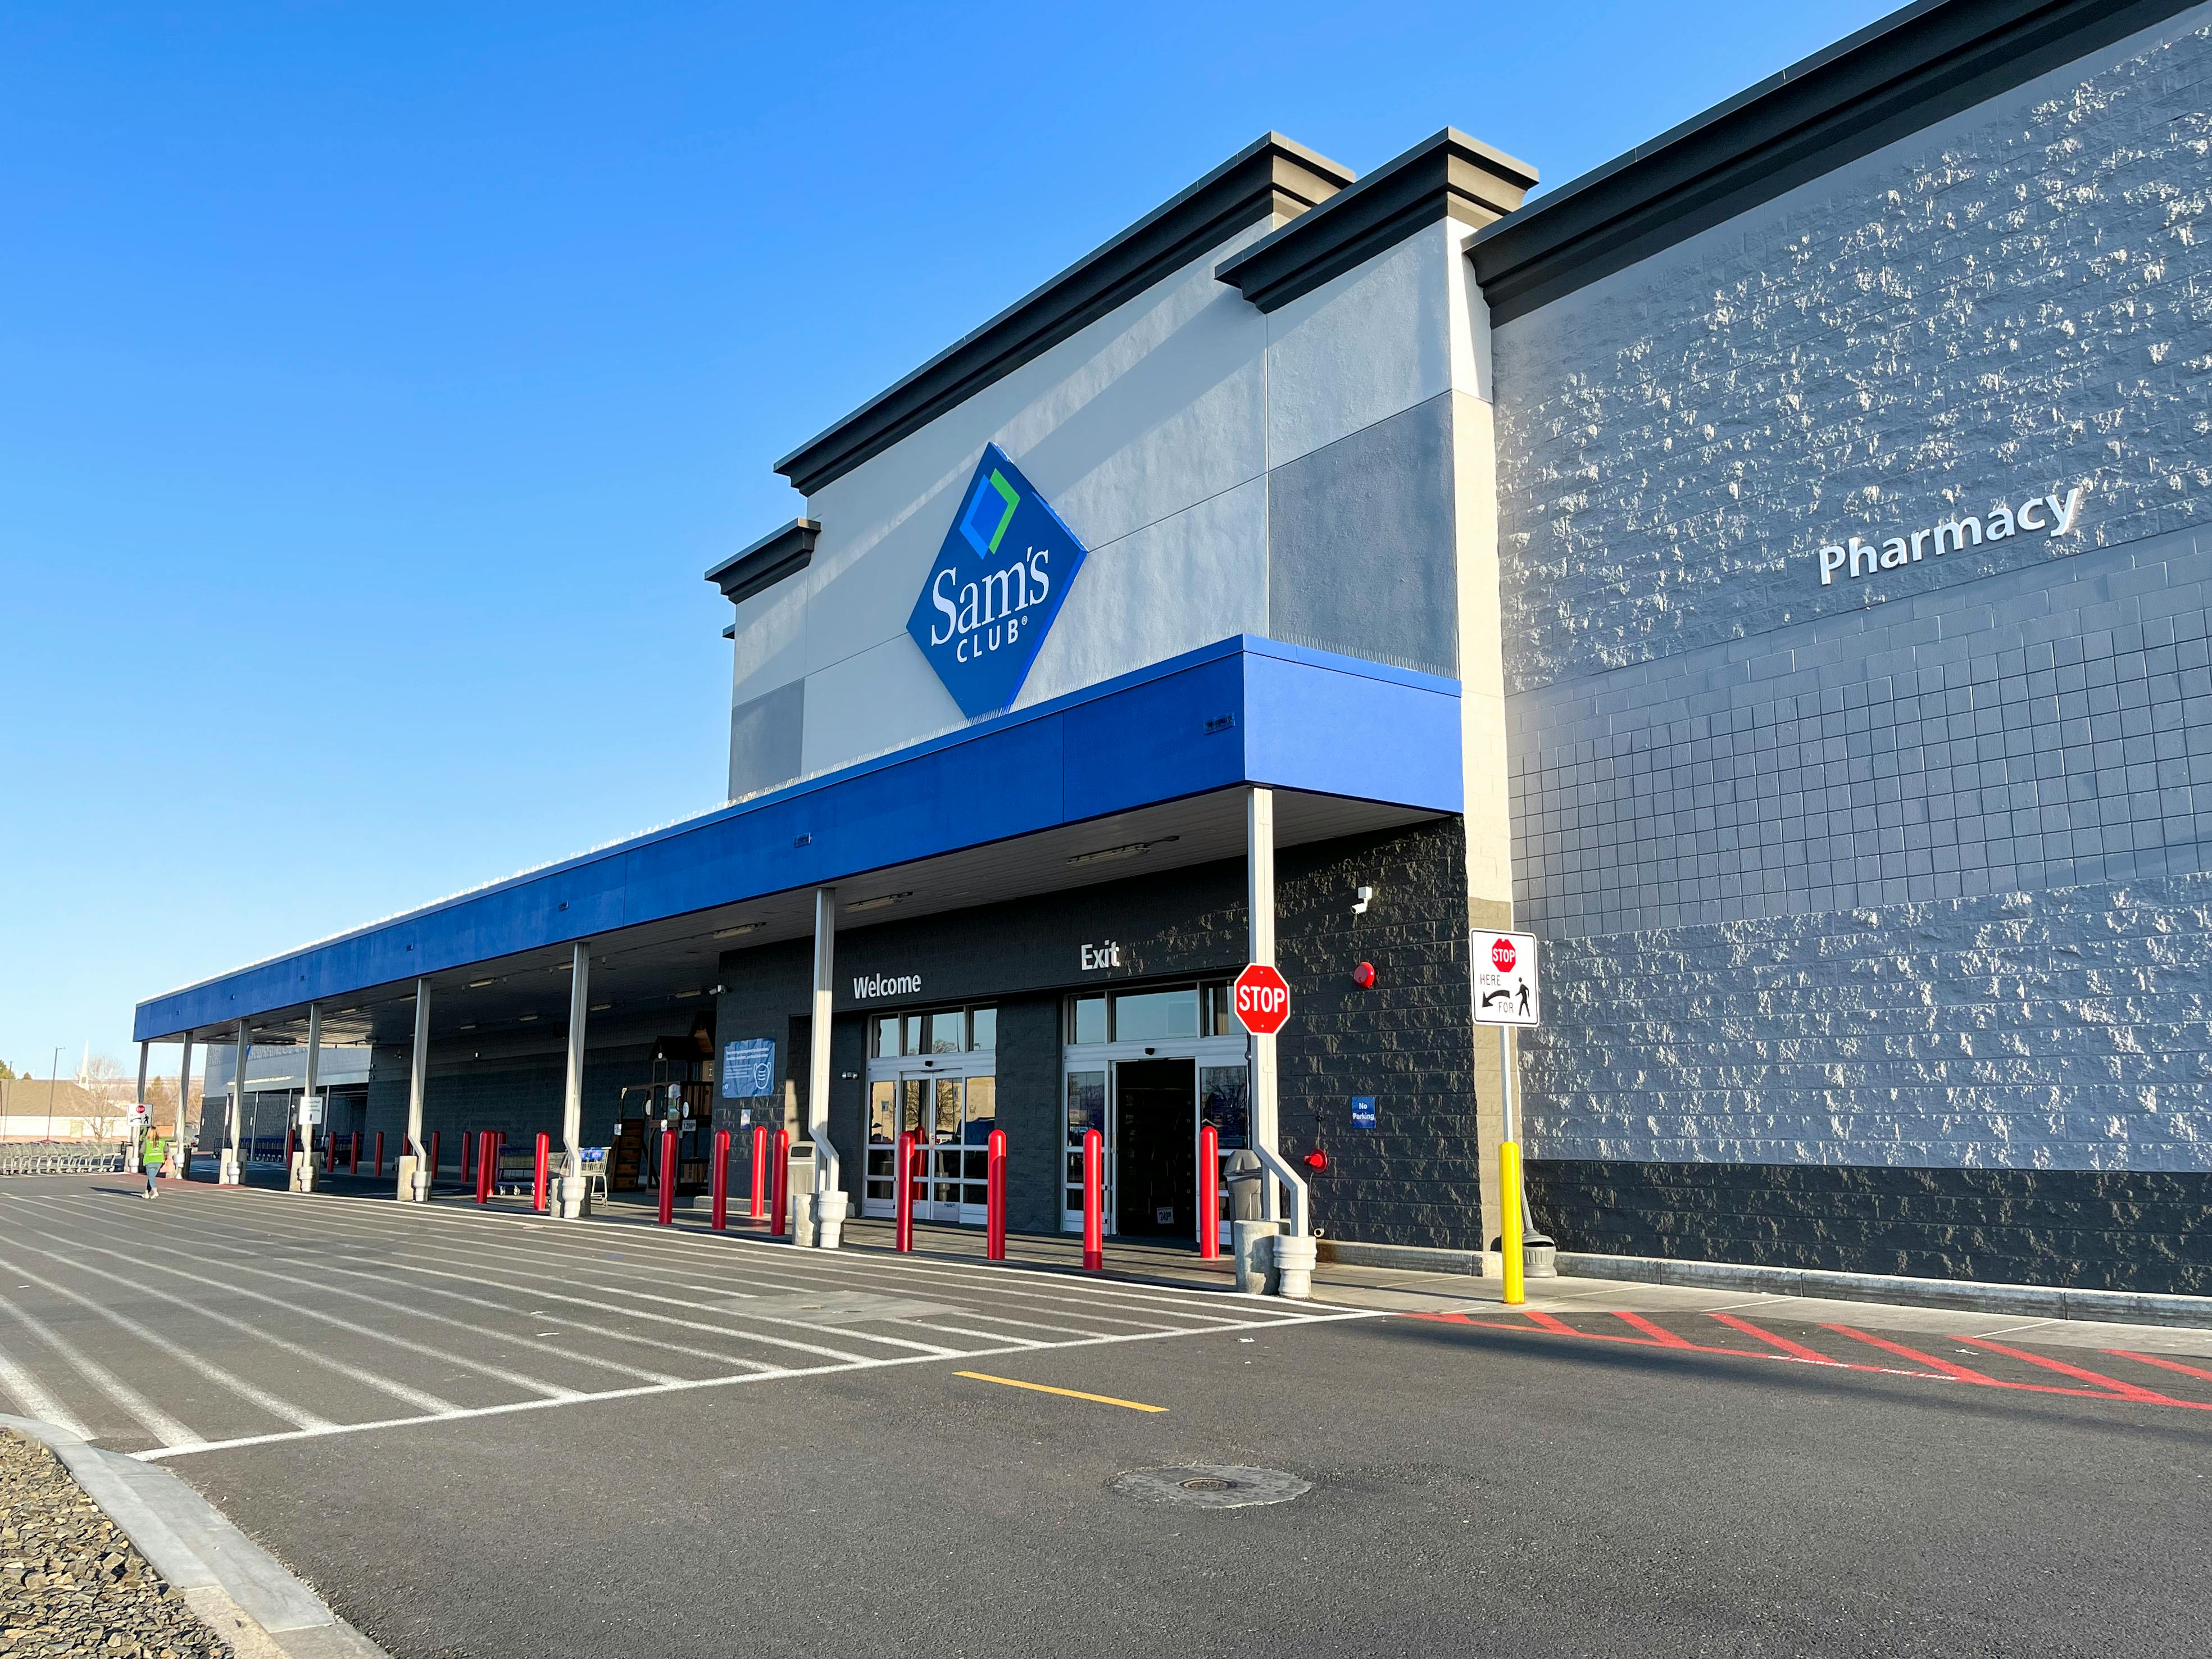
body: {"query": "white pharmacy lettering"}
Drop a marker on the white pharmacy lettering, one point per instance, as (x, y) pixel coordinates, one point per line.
(987, 615)
(885, 985)
(2052, 514)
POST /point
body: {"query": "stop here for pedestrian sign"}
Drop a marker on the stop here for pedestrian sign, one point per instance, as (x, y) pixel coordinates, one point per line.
(1506, 989)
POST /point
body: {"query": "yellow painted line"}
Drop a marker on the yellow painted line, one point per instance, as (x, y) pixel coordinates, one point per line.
(1071, 1393)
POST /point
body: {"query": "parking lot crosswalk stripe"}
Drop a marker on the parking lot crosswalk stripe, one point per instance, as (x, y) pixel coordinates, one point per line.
(2125, 1390)
(1659, 1334)
(2165, 1364)
(155, 1421)
(27, 1393)
(1957, 1373)
(1556, 1326)
(414, 1397)
(1071, 1394)
(253, 1394)
(1795, 1350)
(518, 1379)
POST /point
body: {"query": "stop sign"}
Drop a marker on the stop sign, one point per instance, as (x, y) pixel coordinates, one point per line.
(1503, 956)
(1263, 1000)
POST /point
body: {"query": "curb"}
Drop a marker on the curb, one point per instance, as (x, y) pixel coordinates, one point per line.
(237, 1589)
(2037, 1301)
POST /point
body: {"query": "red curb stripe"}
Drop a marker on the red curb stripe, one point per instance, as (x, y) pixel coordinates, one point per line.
(1666, 1339)
(1795, 1350)
(2125, 1390)
(2168, 1364)
(1545, 1322)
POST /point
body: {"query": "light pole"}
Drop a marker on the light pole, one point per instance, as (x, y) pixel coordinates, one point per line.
(53, 1087)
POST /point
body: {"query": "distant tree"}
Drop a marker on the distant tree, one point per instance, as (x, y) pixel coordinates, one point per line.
(8, 1073)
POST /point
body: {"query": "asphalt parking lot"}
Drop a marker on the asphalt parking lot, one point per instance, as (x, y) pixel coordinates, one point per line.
(625, 1442)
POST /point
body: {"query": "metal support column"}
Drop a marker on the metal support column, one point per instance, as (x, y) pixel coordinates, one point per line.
(828, 1209)
(415, 1187)
(1259, 899)
(303, 1155)
(574, 1199)
(176, 1147)
(232, 1174)
(143, 1116)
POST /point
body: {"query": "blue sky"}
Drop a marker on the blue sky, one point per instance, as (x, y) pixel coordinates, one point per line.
(376, 381)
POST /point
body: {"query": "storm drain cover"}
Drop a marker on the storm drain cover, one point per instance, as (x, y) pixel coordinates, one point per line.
(1211, 1485)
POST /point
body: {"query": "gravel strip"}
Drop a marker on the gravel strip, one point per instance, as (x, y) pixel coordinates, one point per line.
(70, 1582)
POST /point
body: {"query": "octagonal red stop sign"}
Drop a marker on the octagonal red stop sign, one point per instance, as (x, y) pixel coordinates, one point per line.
(1263, 1000)
(1503, 954)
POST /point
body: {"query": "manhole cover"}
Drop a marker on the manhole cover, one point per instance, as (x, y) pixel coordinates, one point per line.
(1211, 1485)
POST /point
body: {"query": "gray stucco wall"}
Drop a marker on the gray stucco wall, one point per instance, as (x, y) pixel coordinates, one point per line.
(1361, 543)
(1906, 870)
(767, 733)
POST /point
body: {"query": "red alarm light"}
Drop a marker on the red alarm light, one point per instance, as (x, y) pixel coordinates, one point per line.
(1363, 975)
(1315, 1160)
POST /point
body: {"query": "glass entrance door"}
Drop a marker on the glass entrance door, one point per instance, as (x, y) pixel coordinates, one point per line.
(950, 1116)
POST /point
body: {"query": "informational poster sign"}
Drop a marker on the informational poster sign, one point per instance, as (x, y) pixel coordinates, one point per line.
(1507, 990)
(748, 1068)
(311, 1111)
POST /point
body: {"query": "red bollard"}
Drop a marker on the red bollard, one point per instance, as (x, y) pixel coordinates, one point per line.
(1209, 1193)
(759, 1210)
(330, 1154)
(544, 1163)
(720, 1181)
(287, 1145)
(668, 1177)
(779, 1175)
(994, 1197)
(1094, 1200)
(486, 1164)
(353, 1156)
(380, 1155)
(435, 1133)
(903, 1204)
(468, 1146)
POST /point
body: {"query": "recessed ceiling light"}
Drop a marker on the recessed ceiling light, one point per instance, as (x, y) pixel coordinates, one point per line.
(1126, 850)
(742, 927)
(687, 994)
(479, 984)
(881, 901)
(601, 1007)
(526, 1018)
(470, 1026)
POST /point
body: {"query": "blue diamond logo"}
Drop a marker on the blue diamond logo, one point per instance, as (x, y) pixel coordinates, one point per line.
(999, 580)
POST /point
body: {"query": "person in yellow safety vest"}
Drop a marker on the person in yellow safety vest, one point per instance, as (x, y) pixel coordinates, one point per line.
(152, 1149)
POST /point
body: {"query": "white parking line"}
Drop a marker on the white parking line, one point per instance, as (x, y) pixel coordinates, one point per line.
(414, 1397)
(881, 1364)
(155, 1421)
(35, 1401)
(254, 1394)
(391, 1304)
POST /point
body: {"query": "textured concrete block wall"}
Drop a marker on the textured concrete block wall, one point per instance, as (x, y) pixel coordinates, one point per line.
(1903, 871)
(2014, 298)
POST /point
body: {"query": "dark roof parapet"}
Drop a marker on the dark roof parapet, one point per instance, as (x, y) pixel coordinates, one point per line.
(1271, 175)
(780, 553)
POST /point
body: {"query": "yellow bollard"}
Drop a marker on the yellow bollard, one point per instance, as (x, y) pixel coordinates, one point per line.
(1509, 1231)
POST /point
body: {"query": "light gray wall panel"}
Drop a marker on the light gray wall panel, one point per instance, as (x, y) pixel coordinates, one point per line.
(1361, 542)
(766, 736)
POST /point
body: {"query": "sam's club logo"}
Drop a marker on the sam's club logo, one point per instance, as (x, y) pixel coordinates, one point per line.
(999, 582)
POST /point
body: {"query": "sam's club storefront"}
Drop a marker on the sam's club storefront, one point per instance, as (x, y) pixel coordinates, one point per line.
(1766, 570)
